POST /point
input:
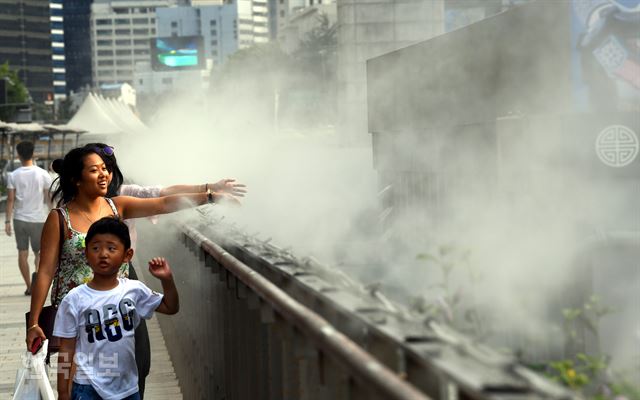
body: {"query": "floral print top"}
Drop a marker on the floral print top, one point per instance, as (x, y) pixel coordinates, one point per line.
(73, 269)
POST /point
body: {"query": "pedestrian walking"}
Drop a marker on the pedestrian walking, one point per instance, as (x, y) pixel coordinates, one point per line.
(27, 208)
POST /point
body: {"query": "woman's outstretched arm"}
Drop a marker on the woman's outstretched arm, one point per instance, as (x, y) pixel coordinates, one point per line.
(131, 207)
(49, 249)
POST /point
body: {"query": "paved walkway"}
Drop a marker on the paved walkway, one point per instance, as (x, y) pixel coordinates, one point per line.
(161, 383)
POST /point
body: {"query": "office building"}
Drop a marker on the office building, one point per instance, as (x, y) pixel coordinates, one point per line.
(120, 36)
(58, 53)
(77, 43)
(26, 44)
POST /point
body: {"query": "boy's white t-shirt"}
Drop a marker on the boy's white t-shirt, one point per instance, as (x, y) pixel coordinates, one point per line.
(30, 183)
(103, 322)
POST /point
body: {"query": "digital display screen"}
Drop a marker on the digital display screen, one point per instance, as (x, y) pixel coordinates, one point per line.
(177, 53)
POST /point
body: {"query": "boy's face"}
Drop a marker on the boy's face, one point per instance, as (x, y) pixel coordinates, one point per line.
(106, 253)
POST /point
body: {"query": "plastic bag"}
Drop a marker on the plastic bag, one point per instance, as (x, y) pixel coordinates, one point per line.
(32, 382)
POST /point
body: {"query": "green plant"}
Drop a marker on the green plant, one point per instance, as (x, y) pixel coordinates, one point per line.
(586, 316)
(566, 372)
(17, 92)
(445, 302)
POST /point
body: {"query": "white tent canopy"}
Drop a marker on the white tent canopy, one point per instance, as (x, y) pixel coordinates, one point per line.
(106, 118)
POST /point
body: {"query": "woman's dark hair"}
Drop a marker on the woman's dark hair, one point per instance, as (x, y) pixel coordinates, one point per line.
(70, 172)
(111, 225)
(110, 161)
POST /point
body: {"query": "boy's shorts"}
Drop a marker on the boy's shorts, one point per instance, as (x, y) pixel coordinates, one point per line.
(87, 392)
(27, 231)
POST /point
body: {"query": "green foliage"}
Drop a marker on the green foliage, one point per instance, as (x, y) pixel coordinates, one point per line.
(295, 89)
(317, 52)
(16, 91)
(589, 375)
(565, 372)
(64, 113)
(449, 306)
(587, 316)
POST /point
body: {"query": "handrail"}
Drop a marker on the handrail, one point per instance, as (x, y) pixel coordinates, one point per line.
(363, 365)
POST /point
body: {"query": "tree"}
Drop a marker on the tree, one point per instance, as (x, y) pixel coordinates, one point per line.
(317, 51)
(17, 93)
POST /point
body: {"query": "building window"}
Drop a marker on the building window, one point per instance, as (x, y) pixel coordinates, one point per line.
(105, 42)
(214, 53)
(140, 21)
(214, 42)
(212, 22)
(281, 13)
(123, 42)
(121, 11)
(122, 21)
(140, 81)
(140, 42)
(123, 62)
(102, 32)
(214, 32)
(140, 52)
(123, 52)
(140, 31)
(123, 31)
(103, 22)
(105, 52)
(167, 81)
(174, 24)
(105, 62)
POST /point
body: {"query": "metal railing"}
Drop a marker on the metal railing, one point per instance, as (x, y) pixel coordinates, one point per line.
(258, 323)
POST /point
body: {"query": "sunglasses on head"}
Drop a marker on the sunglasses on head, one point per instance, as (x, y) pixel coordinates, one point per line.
(107, 150)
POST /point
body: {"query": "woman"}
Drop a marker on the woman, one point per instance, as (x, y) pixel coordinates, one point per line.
(117, 188)
(84, 182)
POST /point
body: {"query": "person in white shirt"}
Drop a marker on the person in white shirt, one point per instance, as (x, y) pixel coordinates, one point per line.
(27, 208)
(96, 321)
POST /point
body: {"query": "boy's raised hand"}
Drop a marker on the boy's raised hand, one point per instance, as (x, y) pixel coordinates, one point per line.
(159, 267)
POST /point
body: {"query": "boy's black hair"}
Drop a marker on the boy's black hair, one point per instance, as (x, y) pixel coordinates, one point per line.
(25, 150)
(111, 225)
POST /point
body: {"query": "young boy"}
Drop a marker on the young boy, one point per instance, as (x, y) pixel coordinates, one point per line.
(97, 320)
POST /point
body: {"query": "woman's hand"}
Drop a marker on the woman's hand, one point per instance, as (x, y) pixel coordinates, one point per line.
(229, 186)
(32, 335)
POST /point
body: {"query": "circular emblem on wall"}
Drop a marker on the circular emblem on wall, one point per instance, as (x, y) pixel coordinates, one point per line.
(617, 146)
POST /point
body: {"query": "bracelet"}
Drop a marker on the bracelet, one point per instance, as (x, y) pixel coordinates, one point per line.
(31, 327)
(209, 196)
(206, 187)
